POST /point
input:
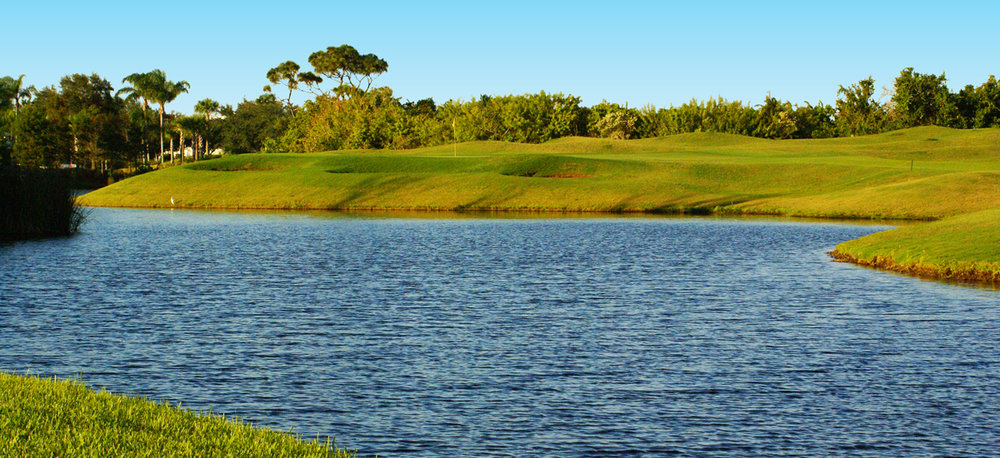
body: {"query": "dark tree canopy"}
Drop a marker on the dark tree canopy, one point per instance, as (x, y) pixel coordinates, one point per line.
(423, 107)
(252, 123)
(921, 99)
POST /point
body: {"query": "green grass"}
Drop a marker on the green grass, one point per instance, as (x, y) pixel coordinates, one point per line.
(964, 248)
(40, 417)
(924, 173)
(854, 177)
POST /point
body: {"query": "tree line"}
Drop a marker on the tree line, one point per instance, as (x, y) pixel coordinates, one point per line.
(352, 113)
(85, 121)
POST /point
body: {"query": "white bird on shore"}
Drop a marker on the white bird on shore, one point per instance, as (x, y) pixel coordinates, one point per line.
(171, 200)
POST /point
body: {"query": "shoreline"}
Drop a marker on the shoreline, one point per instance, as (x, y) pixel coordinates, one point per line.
(884, 263)
(678, 211)
(948, 274)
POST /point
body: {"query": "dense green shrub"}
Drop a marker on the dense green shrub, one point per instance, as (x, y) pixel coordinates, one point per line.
(36, 203)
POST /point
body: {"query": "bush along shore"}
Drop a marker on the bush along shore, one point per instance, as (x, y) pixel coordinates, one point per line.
(48, 417)
(36, 203)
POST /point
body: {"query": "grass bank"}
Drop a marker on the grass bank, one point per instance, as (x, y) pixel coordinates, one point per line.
(961, 248)
(926, 173)
(41, 417)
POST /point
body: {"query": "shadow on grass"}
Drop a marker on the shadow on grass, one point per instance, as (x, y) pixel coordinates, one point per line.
(372, 188)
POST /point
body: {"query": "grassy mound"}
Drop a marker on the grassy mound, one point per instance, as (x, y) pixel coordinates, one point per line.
(961, 248)
(929, 197)
(923, 173)
(59, 418)
(247, 163)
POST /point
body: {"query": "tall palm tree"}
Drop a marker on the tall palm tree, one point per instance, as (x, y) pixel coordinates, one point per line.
(176, 125)
(191, 125)
(143, 88)
(165, 92)
(15, 93)
(21, 93)
(207, 107)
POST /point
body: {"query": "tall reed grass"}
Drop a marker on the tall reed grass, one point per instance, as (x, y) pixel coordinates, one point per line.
(37, 203)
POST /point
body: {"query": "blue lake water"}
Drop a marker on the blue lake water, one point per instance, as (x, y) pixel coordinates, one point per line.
(565, 336)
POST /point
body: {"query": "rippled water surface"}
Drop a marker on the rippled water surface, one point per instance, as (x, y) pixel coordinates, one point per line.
(508, 336)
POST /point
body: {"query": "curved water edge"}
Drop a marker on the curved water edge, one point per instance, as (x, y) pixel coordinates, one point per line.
(969, 275)
(498, 336)
(407, 213)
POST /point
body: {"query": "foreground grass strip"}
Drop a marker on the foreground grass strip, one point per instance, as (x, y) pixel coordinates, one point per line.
(960, 248)
(40, 417)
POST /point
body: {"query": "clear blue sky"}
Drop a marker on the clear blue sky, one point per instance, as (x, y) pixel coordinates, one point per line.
(641, 52)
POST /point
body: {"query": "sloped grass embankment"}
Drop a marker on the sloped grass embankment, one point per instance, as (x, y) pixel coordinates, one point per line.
(961, 248)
